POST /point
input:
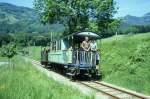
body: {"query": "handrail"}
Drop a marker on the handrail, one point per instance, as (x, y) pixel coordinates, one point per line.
(79, 57)
(85, 57)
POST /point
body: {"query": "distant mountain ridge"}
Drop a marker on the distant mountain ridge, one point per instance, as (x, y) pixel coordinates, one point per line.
(13, 14)
(133, 20)
(14, 19)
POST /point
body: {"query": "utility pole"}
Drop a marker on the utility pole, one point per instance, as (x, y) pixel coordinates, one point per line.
(116, 33)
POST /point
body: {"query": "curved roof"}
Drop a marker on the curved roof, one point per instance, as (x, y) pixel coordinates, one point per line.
(83, 34)
(89, 34)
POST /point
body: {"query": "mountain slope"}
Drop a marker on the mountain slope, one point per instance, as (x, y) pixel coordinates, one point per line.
(14, 14)
(14, 19)
(133, 20)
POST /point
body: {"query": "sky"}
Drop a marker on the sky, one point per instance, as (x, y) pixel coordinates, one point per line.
(133, 7)
(126, 7)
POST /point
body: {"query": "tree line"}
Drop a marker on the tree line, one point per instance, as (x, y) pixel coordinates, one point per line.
(134, 29)
(25, 39)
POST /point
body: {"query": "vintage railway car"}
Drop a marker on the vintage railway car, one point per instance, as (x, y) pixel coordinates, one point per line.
(67, 56)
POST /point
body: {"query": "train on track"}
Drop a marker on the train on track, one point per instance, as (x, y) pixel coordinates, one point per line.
(67, 56)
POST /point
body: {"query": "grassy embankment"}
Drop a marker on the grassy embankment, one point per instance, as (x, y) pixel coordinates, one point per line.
(126, 61)
(24, 81)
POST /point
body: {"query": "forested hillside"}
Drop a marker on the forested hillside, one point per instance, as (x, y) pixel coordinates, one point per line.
(133, 24)
(16, 19)
(133, 20)
(126, 60)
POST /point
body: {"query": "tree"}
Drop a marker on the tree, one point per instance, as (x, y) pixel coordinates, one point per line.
(23, 39)
(5, 39)
(77, 15)
(9, 51)
(105, 11)
(40, 40)
(113, 27)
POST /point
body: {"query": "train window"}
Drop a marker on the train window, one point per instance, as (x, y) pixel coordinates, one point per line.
(50, 46)
(58, 45)
(54, 46)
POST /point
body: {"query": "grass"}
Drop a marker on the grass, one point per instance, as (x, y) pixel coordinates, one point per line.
(24, 81)
(126, 61)
(34, 52)
(2, 59)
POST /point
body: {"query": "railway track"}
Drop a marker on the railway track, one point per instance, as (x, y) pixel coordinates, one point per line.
(112, 91)
(109, 90)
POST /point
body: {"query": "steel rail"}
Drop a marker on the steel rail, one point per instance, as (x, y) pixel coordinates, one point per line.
(124, 91)
(103, 90)
(98, 90)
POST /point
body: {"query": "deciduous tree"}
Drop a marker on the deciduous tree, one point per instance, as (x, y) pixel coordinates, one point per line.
(9, 51)
(77, 15)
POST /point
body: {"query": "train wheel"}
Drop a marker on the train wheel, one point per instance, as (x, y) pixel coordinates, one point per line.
(41, 63)
(95, 75)
(71, 73)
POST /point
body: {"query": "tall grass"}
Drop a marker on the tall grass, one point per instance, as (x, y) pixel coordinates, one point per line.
(126, 61)
(34, 52)
(24, 81)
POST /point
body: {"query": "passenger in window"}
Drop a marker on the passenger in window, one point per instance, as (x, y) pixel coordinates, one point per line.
(93, 45)
(95, 54)
(86, 44)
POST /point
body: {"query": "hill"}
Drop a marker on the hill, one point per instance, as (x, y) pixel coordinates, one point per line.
(14, 19)
(125, 61)
(13, 14)
(133, 25)
(133, 20)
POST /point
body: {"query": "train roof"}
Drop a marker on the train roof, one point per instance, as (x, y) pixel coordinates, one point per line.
(83, 34)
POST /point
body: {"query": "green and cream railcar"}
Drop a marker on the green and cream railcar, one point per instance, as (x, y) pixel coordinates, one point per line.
(67, 54)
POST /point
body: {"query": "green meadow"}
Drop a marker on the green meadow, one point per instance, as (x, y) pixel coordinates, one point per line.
(125, 61)
(23, 81)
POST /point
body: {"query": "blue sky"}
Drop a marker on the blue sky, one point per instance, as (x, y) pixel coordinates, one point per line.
(25, 3)
(133, 7)
(126, 7)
